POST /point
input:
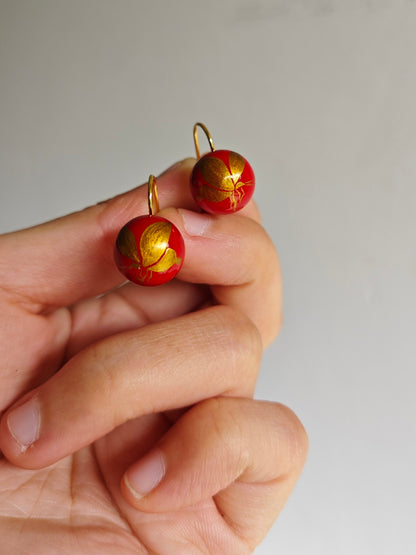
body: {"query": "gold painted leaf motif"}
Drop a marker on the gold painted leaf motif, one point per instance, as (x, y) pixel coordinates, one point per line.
(222, 181)
(213, 195)
(167, 261)
(216, 173)
(154, 243)
(126, 244)
(237, 165)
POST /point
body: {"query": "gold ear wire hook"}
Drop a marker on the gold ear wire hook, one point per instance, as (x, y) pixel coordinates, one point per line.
(152, 196)
(208, 135)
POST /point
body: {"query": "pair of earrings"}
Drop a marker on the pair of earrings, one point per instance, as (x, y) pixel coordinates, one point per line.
(150, 250)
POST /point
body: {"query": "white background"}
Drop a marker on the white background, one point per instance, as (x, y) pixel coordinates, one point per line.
(320, 96)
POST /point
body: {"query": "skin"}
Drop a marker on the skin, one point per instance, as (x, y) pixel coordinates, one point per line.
(133, 383)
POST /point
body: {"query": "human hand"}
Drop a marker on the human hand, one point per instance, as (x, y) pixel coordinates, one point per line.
(148, 388)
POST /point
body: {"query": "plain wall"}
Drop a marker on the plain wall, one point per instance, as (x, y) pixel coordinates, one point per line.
(320, 96)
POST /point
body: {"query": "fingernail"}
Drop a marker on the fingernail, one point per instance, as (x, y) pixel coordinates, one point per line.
(24, 423)
(195, 224)
(144, 476)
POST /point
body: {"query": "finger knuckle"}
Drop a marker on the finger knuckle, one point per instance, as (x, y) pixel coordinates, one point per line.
(295, 435)
(265, 259)
(102, 383)
(227, 429)
(243, 342)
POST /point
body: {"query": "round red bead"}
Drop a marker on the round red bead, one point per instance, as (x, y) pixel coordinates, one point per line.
(149, 250)
(222, 182)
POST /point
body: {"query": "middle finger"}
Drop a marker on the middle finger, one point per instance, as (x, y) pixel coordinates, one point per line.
(163, 366)
(232, 253)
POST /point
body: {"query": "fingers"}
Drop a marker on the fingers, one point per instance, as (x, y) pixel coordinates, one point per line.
(246, 454)
(163, 366)
(233, 253)
(130, 307)
(237, 258)
(71, 258)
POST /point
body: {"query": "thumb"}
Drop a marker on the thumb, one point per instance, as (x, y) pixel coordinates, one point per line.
(246, 454)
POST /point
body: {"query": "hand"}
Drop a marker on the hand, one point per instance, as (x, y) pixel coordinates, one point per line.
(129, 410)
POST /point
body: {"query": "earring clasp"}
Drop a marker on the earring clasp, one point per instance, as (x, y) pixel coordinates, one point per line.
(152, 196)
(208, 135)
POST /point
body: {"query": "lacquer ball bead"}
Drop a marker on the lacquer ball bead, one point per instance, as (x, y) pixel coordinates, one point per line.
(222, 182)
(149, 250)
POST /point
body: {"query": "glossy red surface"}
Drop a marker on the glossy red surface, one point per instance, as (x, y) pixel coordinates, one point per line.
(222, 182)
(149, 250)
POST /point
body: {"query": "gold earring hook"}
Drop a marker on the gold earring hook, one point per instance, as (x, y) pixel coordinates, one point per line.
(152, 196)
(208, 135)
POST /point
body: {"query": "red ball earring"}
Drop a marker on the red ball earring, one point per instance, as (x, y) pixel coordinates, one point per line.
(222, 181)
(149, 250)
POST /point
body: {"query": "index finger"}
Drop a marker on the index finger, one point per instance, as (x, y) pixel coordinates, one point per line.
(71, 258)
(237, 258)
